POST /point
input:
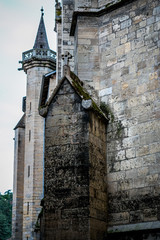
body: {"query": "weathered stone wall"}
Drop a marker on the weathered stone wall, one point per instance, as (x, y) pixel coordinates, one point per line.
(123, 65)
(18, 184)
(129, 52)
(75, 170)
(66, 200)
(97, 176)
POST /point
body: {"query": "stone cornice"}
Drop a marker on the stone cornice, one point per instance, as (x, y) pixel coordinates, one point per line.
(92, 12)
(36, 62)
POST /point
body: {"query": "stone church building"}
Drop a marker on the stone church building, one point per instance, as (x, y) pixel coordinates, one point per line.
(87, 149)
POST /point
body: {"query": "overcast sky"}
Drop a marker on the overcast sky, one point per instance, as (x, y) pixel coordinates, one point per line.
(19, 20)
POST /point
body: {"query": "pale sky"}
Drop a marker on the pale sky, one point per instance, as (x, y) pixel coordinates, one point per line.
(19, 20)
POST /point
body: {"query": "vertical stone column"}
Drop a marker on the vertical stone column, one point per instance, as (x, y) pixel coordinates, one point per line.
(67, 40)
(17, 207)
(33, 170)
(59, 52)
(58, 29)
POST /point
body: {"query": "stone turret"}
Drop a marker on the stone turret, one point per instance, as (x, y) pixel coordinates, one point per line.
(35, 63)
(41, 54)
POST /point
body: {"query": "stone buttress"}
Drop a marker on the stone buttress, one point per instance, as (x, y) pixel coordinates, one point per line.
(75, 194)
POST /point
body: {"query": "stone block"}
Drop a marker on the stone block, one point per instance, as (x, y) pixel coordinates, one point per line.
(150, 20)
(142, 24)
(150, 214)
(126, 24)
(125, 184)
(139, 183)
(156, 10)
(123, 18)
(116, 27)
(130, 153)
(151, 179)
(124, 39)
(149, 160)
(154, 147)
(116, 176)
(142, 171)
(131, 174)
(136, 216)
(105, 92)
(142, 151)
(125, 165)
(123, 49)
(141, 32)
(118, 218)
(120, 155)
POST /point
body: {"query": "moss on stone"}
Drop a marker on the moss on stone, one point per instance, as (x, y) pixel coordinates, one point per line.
(108, 5)
(107, 111)
(109, 114)
(78, 84)
(58, 12)
(119, 128)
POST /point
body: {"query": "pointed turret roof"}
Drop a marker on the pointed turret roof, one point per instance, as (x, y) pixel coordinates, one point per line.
(21, 123)
(41, 38)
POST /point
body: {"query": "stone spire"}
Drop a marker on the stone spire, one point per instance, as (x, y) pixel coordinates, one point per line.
(41, 38)
(41, 54)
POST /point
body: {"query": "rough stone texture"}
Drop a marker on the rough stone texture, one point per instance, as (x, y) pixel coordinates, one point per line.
(18, 186)
(118, 54)
(75, 192)
(66, 167)
(97, 176)
(133, 77)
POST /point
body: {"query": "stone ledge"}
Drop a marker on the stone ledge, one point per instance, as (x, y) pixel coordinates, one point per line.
(134, 227)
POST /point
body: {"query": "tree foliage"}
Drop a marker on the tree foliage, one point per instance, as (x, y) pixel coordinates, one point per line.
(5, 215)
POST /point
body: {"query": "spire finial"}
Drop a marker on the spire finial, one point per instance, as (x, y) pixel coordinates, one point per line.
(42, 10)
(41, 38)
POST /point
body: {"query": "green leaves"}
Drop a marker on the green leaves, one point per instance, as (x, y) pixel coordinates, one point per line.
(5, 215)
